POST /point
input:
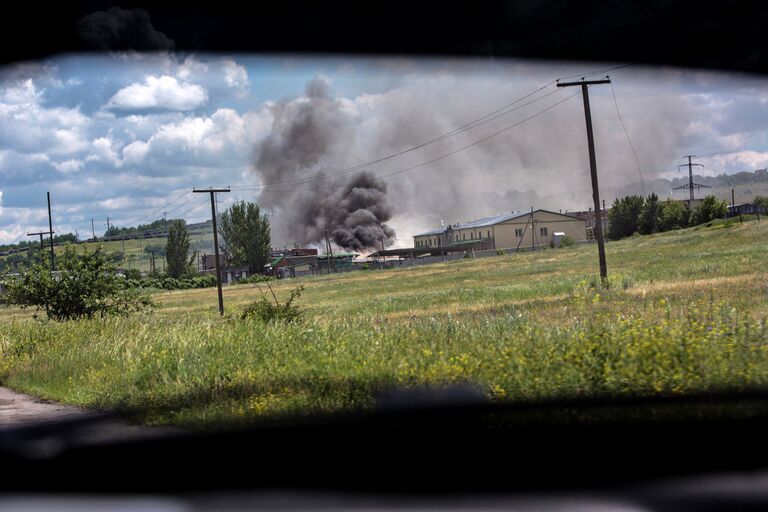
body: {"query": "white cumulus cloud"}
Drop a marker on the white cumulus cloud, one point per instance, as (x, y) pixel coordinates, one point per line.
(164, 92)
(28, 126)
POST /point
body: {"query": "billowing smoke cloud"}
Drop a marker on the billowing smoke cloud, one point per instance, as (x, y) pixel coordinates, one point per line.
(310, 138)
(543, 163)
(122, 29)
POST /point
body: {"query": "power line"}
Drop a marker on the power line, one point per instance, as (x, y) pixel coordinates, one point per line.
(492, 116)
(479, 141)
(467, 146)
(156, 211)
(183, 204)
(195, 207)
(618, 113)
(599, 71)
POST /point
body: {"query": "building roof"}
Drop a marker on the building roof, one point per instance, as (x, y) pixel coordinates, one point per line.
(490, 221)
(337, 255)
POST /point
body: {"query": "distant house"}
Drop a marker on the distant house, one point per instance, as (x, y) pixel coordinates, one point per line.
(292, 263)
(209, 261)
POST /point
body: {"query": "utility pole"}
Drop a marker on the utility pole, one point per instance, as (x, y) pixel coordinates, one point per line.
(50, 229)
(107, 225)
(213, 191)
(604, 215)
(330, 252)
(93, 230)
(691, 185)
(42, 246)
(593, 166)
(381, 256)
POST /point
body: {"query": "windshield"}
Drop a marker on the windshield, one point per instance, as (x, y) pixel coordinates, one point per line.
(383, 224)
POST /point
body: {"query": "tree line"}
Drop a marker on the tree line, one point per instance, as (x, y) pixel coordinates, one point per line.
(646, 215)
(244, 231)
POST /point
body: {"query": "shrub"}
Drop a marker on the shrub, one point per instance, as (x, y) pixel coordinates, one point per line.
(85, 286)
(266, 311)
(205, 281)
(133, 273)
(500, 252)
(170, 283)
(566, 241)
(255, 278)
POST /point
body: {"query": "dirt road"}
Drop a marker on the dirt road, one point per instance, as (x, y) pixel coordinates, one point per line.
(18, 410)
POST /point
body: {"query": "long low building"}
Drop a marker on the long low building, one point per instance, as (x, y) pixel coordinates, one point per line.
(522, 229)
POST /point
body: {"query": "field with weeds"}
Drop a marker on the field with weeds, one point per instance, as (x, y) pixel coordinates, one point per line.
(683, 311)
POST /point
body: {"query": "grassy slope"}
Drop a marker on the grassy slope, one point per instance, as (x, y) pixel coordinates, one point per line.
(134, 249)
(685, 312)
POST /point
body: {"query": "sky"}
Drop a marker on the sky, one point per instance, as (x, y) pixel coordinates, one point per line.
(129, 135)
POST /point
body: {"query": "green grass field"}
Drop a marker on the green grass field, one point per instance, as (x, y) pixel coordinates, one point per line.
(685, 311)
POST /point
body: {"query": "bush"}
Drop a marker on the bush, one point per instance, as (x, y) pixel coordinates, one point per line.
(133, 273)
(170, 283)
(266, 311)
(205, 281)
(255, 278)
(500, 252)
(85, 286)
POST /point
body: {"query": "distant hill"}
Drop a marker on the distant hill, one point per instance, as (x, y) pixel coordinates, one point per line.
(746, 185)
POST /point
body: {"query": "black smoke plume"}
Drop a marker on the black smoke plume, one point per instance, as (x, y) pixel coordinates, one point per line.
(312, 137)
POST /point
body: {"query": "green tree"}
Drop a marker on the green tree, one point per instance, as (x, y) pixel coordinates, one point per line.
(622, 219)
(650, 215)
(157, 250)
(86, 285)
(177, 257)
(674, 215)
(709, 209)
(761, 201)
(246, 235)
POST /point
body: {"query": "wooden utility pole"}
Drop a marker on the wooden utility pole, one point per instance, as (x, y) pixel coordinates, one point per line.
(330, 252)
(213, 191)
(93, 230)
(593, 166)
(604, 215)
(50, 229)
(42, 246)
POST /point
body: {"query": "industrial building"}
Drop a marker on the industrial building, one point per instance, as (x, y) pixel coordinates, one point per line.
(518, 229)
(745, 209)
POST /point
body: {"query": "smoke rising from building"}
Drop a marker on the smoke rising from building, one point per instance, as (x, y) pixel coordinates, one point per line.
(543, 163)
(309, 138)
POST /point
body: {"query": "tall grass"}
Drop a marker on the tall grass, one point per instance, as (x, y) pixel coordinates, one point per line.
(682, 312)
